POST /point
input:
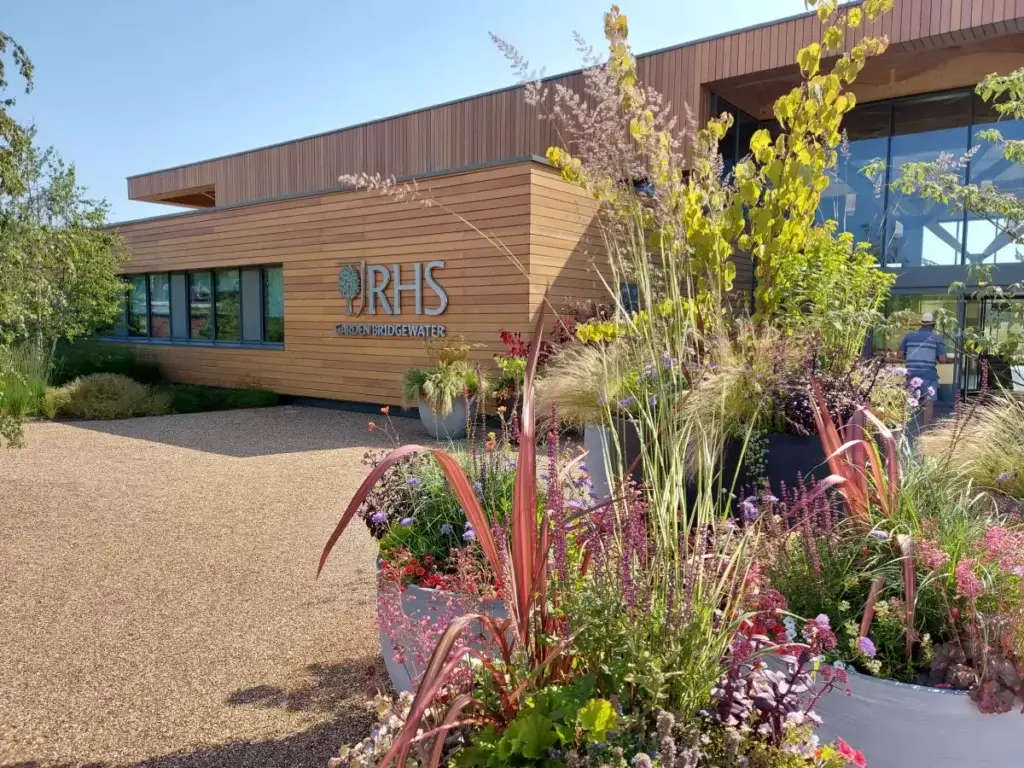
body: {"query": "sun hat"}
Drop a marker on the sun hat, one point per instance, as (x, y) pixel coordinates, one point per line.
(927, 319)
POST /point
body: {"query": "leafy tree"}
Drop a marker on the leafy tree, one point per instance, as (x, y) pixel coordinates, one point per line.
(58, 265)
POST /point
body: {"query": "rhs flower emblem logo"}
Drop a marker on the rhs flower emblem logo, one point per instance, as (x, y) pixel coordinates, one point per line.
(350, 286)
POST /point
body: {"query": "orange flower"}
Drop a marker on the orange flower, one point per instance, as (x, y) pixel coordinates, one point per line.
(490, 445)
(386, 410)
(372, 426)
(502, 409)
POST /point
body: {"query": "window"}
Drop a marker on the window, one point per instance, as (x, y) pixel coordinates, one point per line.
(855, 196)
(273, 304)
(987, 240)
(235, 306)
(200, 302)
(922, 233)
(160, 306)
(228, 319)
(138, 316)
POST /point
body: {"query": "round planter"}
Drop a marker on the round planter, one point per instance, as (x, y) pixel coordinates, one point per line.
(450, 427)
(430, 605)
(602, 455)
(788, 459)
(898, 725)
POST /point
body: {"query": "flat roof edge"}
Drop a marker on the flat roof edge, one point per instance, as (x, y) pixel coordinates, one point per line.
(519, 160)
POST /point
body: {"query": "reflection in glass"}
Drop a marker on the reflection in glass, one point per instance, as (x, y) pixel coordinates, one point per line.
(137, 321)
(987, 240)
(229, 305)
(273, 304)
(160, 306)
(853, 198)
(921, 232)
(997, 323)
(940, 305)
(200, 296)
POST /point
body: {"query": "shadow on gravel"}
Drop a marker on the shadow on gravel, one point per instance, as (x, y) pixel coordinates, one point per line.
(252, 432)
(337, 690)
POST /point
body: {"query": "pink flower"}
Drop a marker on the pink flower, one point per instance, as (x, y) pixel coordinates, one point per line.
(851, 755)
(967, 583)
(931, 555)
(1004, 547)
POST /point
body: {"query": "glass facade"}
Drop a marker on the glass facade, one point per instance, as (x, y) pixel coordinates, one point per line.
(200, 303)
(203, 306)
(228, 320)
(138, 317)
(160, 306)
(273, 304)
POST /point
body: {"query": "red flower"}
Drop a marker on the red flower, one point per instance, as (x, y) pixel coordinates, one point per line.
(385, 410)
(421, 571)
(371, 426)
(851, 755)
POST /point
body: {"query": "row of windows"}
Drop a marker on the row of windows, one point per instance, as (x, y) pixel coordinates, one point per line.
(230, 305)
(908, 230)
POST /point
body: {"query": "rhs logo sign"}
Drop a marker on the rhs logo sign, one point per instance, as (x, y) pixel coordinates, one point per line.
(367, 288)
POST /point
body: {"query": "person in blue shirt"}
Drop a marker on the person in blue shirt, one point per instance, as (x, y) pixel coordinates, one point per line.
(923, 350)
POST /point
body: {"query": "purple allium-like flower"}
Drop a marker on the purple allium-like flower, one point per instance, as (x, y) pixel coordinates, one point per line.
(879, 535)
(406, 522)
(912, 402)
(1004, 476)
(931, 391)
(469, 535)
(446, 529)
(652, 401)
(865, 646)
(626, 402)
(478, 487)
(667, 361)
(648, 372)
(899, 370)
(916, 382)
(413, 480)
(378, 518)
(822, 621)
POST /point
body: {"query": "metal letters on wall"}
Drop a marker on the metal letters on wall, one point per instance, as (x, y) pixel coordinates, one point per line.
(366, 288)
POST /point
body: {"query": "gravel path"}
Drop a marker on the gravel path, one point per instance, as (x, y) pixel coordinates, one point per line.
(157, 600)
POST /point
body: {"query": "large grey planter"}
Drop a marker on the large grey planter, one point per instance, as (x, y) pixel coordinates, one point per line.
(450, 427)
(897, 725)
(418, 604)
(602, 455)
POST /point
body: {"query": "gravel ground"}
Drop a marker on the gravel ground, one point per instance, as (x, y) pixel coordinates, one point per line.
(157, 600)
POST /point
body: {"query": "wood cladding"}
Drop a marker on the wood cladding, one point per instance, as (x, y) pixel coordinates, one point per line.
(500, 125)
(543, 224)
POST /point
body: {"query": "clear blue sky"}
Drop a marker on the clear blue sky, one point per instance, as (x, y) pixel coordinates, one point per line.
(129, 86)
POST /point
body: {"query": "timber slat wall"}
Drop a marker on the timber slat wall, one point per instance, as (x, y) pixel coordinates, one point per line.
(310, 236)
(500, 125)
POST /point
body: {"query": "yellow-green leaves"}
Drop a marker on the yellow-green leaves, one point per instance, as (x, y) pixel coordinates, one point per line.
(834, 37)
(875, 8)
(809, 59)
(854, 17)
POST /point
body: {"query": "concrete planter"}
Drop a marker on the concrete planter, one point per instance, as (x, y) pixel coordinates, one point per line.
(450, 427)
(432, 605)
(898, 725)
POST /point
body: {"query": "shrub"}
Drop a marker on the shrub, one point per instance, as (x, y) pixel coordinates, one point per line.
(86, 357)
(105, 396)
(196, 398)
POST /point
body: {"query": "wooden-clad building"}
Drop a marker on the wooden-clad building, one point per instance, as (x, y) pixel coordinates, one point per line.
(254, 284)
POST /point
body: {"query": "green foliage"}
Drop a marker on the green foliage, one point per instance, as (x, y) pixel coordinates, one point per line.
(554, 718)
(106, 396)
(59, 279)
(22, 389)
(836, 291)
(83, 357)
(440, 385)
(196, 398)
(14, 138)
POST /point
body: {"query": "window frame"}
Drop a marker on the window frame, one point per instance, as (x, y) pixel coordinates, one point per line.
(122, 322)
